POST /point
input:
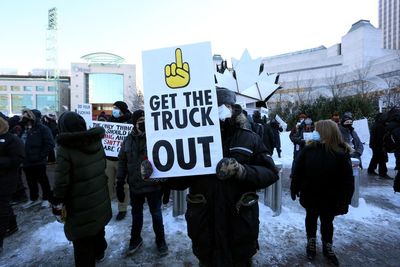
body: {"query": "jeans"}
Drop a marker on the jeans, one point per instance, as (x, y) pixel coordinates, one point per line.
(326, 219)
(154, 202)
(86, 249)
(34, 175)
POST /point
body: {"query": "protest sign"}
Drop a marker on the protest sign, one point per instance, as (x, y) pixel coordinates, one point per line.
(181, 111)
(85, 110)
(115, 134)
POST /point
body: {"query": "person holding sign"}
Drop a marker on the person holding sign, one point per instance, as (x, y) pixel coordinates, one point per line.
(132, 153)
(120, 114)
(222, 208)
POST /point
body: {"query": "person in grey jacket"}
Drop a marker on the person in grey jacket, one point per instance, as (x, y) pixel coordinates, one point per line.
(133, 152)
(350, 136)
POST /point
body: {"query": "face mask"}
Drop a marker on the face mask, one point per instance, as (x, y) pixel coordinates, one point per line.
(316, 136)
(116, 113)
(142, 127)
(224, 112)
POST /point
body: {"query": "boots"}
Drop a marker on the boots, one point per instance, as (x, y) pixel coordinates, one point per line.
(329, 254)
(311, 248)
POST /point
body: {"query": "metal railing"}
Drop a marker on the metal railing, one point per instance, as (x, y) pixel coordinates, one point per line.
(178, 202)
(356, 172)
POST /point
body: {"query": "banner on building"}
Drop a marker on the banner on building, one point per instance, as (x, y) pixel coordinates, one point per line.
(115, 134)
(181, 111)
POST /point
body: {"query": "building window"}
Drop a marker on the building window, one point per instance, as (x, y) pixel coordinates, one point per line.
(46, 103)
(28, 88)
(19, 102)
(40, 88)
(15, 88)
(4, 104)
(51, 88)
(3, 87)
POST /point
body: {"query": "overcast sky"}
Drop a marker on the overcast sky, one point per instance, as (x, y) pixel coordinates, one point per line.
(127, 27)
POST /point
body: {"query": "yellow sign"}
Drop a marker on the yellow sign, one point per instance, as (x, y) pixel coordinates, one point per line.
(177, 74)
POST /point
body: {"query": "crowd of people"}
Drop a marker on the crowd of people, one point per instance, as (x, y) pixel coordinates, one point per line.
(222, 208)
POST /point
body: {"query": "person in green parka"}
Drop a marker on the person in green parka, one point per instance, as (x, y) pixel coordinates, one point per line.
(81, 187)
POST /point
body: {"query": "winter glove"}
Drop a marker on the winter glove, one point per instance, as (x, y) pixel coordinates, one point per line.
(59, 212)
(228, 168)
(120, 191)
(146, 169)
(294, 194)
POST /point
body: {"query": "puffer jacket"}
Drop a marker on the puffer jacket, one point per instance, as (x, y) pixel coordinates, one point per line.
(11, 156)
(81, 183)
(39, 141)
(222, 215)
(324, 179)
(132, 153)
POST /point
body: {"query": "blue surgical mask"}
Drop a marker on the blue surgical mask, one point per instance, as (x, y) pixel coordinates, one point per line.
(316, 136)
(224, 112)
(116, 113)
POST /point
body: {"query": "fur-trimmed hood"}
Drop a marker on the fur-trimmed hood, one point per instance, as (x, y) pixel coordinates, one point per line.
(85, 141)
(3, 126)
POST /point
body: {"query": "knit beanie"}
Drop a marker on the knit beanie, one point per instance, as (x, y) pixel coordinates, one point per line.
(225, 96)
(122, 106)
(136, 115)
(70, 122)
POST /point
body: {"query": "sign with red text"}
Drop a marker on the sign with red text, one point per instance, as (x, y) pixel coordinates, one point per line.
(115, 134)
(181, 111)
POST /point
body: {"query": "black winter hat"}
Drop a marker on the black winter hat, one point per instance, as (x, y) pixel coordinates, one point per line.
(122, 106)
(37, 114)
(70, 122)
(225, 96)
(136, 115)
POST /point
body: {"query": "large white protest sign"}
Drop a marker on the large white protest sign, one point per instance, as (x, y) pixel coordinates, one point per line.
(85, 110)
(181, 111)
(114, 136)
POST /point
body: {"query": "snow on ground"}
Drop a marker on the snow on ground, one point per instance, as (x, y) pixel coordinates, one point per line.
(368, 235)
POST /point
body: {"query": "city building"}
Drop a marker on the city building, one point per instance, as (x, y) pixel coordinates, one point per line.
(389, 22)
(34, 92)
(101, 81)
(358, 64)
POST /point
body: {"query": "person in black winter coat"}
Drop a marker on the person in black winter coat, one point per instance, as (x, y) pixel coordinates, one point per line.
(276, 130)
(323, 179)
(38, 141)
(267, 134)
(120, 114)
(133, 152)
(379, 155)
(222, 208)
(11, 157)
(50, 121)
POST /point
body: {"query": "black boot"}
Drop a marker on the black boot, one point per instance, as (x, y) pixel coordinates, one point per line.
(311, 248)
(329, 254)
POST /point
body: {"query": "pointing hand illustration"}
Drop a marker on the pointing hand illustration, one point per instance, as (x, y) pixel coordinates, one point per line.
(177, 74)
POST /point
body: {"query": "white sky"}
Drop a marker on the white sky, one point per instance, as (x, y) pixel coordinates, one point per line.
(127, 27)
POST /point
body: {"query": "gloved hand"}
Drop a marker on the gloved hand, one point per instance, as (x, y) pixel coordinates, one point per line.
(59, 212)
(228, 168)
(146, 169)
(294, 194)
(120, 191)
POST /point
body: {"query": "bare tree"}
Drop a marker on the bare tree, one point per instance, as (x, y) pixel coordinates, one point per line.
(391, 95)
(335, 84)
(308, 90)
(361, 83)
